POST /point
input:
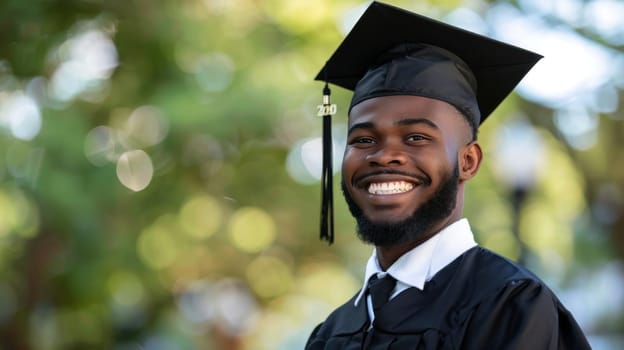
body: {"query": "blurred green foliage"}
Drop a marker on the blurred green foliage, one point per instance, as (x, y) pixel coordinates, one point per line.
(201, 237)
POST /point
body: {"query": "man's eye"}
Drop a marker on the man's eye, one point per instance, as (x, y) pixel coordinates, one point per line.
(417, 137)
(363, 140)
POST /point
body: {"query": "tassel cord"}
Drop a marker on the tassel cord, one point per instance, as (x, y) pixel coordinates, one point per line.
(327, 195)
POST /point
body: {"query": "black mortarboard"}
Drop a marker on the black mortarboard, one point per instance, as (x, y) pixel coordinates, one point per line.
(391, 51)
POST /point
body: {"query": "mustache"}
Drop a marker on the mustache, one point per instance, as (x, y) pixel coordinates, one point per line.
(425, 180)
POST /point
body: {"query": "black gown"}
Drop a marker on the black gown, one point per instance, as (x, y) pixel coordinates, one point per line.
(479, 301)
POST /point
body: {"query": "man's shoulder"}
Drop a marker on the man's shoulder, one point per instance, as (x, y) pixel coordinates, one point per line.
(481, 274)
(484, 263)
(513, 308)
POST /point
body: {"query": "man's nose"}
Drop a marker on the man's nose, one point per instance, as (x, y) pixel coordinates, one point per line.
(387, 155)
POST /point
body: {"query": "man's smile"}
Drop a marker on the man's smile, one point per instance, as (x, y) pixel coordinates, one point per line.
(389, 188)
(388, 185)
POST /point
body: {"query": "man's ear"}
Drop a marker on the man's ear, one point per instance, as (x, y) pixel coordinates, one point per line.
(469, 160)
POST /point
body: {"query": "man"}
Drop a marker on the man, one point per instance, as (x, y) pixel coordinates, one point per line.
(421, 90)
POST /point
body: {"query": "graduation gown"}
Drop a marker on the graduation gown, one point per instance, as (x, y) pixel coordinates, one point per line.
(479, 301)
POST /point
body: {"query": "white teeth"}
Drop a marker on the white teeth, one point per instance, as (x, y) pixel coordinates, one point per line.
(390, 187)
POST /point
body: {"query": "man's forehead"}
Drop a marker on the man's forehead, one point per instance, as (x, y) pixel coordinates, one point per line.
(398, 107)
(408, 110)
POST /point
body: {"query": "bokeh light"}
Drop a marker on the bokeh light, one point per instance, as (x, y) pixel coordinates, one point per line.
(101, 145)
(269, 276)
(126, 289)
(518, 154)
(86, 61)
(146, 126)
(214, 72)
(304, 162)
(236, 307)
(127, 299)
(578, 126)
(315, 279)
(135, 170)
(196, 301)
(201, 216)
(20, 114)
(20, 218)
(157, 244)
(23, 160)
(252, 229)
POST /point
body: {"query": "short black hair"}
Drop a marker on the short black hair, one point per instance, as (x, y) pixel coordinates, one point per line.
(474, 128)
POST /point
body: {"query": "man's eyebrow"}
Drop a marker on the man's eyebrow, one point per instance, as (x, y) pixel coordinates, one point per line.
(402, 122)
(412, 121)
(364, 125)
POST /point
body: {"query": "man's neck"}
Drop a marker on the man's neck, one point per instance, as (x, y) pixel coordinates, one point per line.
(386, 256)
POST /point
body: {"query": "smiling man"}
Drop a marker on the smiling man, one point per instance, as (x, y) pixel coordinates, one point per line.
(421, 90)
(401, 170)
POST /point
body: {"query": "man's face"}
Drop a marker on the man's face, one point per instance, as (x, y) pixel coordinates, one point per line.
(400, 168)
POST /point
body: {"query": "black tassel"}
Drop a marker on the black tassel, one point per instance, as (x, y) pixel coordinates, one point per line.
(327, 193)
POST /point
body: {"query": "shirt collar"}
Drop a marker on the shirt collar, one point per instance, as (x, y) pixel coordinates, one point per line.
(420, 264)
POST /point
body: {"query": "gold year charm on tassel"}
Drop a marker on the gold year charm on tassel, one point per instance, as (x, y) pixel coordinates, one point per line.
(326, 108)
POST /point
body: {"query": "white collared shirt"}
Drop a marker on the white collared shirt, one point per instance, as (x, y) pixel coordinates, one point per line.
(419, 265)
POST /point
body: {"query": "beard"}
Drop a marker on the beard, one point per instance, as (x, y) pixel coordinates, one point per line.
(414, 228)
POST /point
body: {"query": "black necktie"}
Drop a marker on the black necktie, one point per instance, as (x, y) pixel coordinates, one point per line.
(380, 290)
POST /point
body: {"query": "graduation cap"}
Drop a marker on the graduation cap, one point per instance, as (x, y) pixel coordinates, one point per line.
(391, 51)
